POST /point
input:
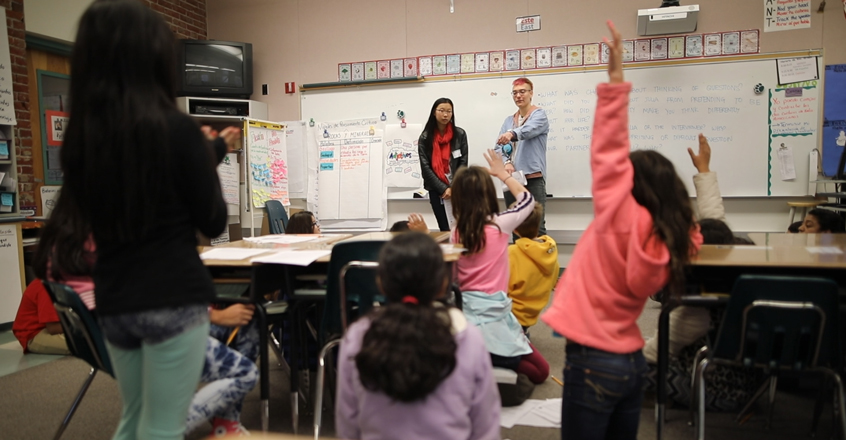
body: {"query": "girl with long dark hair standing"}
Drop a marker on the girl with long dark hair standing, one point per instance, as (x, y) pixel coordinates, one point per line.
(415, 369)
(443, 150)
(642, 236)
(143, 176)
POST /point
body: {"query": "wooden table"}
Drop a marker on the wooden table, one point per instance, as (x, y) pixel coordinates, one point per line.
(266, 278)
(716, 267)
(787, 239)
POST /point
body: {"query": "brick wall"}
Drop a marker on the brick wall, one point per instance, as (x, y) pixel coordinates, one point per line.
(187, 18)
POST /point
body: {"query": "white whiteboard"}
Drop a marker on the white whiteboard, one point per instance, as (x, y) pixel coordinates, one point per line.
(717, 99)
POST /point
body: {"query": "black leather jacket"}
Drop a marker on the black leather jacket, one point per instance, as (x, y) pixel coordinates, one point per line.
(431, 182)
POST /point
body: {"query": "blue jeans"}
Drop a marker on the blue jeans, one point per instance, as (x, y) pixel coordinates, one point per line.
(603, 393)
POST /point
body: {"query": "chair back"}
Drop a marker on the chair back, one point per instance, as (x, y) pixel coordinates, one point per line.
(781, 322)
(277, 217)
(82, 332)
(360, 285)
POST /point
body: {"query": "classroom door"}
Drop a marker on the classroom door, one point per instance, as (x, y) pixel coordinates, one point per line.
(49, 84)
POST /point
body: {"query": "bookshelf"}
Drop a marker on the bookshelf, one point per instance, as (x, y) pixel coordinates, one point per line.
(9, 204)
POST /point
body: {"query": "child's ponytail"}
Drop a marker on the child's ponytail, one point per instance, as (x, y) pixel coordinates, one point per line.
(409, 348)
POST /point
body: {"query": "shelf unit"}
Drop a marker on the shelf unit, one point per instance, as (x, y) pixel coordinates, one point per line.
(9, 183)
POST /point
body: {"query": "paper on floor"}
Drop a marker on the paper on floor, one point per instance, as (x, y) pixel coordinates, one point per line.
(538, 413)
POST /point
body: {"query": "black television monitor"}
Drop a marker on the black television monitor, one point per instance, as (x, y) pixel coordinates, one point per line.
(210, 68)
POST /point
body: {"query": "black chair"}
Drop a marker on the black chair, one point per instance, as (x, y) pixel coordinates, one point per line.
(277, 217)
(778, 323)
(357, 289)
(84, 338)
(365, 299)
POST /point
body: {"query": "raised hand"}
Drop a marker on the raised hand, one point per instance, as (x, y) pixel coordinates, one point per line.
(495, 165)
(416, 223)
(701, 161)
(615, 55)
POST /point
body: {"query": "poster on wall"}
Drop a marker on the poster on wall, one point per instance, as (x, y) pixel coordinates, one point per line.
(7, 99)
(786, 15)
(402, 161)
(350, 161)
(56, 122)
(267, 163)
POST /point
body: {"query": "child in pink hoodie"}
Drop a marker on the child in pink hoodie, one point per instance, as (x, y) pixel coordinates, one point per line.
(642, 235)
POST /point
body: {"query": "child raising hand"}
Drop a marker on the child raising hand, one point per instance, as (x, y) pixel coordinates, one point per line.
(642, 235)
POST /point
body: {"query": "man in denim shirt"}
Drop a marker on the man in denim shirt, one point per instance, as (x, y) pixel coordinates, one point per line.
(522, 144)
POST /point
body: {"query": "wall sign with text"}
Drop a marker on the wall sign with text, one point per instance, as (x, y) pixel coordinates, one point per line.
(528, 23)
(57, 123)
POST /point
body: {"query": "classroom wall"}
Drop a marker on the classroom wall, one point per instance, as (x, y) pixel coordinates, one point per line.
(54, 20)
(304, 40)
(58, 20)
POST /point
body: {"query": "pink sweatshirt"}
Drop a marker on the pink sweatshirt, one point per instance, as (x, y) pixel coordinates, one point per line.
(618, 263)
(487, 270)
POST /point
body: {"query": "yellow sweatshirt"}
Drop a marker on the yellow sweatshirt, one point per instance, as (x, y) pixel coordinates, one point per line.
(533, 266)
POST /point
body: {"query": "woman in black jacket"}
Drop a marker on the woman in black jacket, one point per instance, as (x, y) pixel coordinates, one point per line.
(443, 150)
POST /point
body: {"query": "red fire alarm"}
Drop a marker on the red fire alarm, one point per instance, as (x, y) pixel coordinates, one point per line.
(290, 87)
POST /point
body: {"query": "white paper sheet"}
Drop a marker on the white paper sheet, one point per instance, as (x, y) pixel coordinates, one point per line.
(511, 415)
(538, 413)
(828, 250)
(292, 257)
(227, 171)
(7, 100)
(295, 133)
(350, 169)
(402, 162)
(231, 253)
(786, 164)
(448, 210)
(282, 238)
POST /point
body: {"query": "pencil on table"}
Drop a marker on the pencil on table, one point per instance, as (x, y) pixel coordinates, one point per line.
(558, 381)
(232, 335)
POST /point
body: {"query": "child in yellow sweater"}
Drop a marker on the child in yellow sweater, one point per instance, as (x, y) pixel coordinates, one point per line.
(533, 267)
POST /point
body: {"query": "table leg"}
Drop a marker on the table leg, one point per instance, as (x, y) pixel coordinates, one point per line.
(663, 363)
(295, 365)
(264, 380)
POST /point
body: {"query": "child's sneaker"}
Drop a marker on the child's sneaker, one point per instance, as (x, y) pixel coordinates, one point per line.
(227, 428)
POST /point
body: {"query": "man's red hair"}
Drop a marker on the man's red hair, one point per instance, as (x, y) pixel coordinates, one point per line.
(520, 81)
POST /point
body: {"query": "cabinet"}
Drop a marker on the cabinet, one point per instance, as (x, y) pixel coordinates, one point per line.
(9, 204)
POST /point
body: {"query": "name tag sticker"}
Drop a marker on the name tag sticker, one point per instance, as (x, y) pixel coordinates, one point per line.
(456, 154)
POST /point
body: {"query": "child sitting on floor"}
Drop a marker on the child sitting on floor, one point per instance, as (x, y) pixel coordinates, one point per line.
(533, 266)
(414, 369)
(37, 325)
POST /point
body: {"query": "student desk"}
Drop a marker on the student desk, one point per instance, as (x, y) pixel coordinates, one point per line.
(262, 279)
(266, 278)
(716, 267)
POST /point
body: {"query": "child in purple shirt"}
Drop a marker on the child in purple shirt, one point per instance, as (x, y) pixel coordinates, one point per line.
(446, 390)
